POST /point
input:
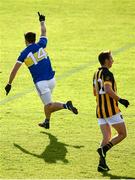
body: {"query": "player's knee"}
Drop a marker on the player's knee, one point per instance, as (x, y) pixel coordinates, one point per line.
(48, 106)
(123, 134)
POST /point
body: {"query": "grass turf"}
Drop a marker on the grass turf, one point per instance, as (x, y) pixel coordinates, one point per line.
(77, 31)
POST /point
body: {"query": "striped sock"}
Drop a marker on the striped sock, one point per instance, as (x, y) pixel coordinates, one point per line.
(107, 147)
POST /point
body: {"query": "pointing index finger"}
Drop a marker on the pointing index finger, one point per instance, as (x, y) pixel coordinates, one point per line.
(38, 13)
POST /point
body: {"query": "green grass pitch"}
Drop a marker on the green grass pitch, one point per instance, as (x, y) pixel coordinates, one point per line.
(77, 31)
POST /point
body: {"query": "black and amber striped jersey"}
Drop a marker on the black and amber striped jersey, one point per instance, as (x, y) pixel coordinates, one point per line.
(106, 106)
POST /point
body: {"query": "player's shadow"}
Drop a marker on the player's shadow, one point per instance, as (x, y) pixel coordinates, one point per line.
(111, 176)
(55, 151)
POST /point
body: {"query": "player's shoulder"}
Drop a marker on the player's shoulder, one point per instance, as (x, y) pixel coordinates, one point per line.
(95, 72)
(43, 38)
(107, 72)
(24, 53)
(42, 41)
(107, 75)
(25, 50)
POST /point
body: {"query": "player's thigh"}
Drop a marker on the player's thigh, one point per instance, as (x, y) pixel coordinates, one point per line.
(44, 92)
(115, 119)
(120, 128)
(118, 123)
(46, 98)
(45, 86)
(42, 87)
(106, 131)
(51, 84)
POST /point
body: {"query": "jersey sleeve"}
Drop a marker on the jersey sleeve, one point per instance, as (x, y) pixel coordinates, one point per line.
(21, 57)
(108, 77)
(94, 80)
(42, 41)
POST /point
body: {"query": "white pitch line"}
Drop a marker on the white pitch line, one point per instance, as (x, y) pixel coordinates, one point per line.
(66, 74)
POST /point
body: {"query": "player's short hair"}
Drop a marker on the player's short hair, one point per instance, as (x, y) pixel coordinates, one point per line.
(103, 56)
(30, 37)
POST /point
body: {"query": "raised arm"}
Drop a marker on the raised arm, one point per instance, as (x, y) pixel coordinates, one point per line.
(43, 28)
(42, 23)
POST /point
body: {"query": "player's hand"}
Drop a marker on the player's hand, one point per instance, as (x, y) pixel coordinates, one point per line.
(41, 17)
(124, 102)
(8, 88)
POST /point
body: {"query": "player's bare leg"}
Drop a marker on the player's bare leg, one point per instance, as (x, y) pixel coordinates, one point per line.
(56, 106)
(52, 107)
(106, 132)
(48, 110)
(122, 133)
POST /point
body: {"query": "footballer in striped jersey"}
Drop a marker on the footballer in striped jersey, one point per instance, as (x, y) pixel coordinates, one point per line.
(107, 110)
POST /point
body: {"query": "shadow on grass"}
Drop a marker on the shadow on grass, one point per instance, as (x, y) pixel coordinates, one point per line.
(106, 174)
(55, 151)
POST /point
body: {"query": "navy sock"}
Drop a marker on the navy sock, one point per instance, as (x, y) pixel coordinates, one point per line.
(46, 120)
(65, 106)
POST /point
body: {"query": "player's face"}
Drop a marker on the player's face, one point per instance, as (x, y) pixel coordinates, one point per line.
(110, 62)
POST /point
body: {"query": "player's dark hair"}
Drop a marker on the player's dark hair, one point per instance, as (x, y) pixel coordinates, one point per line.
(103, 56)
(30, 37)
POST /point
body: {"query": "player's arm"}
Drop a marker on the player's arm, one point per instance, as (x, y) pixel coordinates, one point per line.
(12, 76)
(111, 93)
(14, 72)
(42, 24)
(43, 28)
(94, 89)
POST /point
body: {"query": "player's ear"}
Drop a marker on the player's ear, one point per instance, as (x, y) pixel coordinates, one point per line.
(26, 42)
(106, 61)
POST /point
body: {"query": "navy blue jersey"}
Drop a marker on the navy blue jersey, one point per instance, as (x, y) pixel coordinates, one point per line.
(38, 62)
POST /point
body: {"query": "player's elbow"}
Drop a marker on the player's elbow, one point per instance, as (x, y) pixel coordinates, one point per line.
(107, 90)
